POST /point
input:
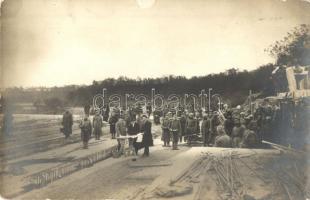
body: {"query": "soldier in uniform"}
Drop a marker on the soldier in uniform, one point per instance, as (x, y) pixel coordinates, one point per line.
(120, 128)
(97, 124)
(112, 121)
(214, 123)
(205, 130)
(222, 140)
(67, 122)
(86, 129)
(191, 128)
(165, 130)
(175, 130)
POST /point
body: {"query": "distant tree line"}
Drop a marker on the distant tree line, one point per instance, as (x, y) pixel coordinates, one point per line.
(233, 85)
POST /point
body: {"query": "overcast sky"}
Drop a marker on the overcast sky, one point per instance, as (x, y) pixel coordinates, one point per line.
(58, 42)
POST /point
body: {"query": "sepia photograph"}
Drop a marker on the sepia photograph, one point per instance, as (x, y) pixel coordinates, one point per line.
(155, 100)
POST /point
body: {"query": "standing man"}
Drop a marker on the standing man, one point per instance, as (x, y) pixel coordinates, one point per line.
(86, 130)
(133, 130)
(106, 112)
(191, 128)
(121, 131)
(147, 139)
(229, 123)
(97, 124)
(175, 129)
(205, 130)
(182, 122)
(67, 122)
(214, 123)
(165, 130)
(112, 121)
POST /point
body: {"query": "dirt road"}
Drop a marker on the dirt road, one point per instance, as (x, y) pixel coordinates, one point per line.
(188, 173)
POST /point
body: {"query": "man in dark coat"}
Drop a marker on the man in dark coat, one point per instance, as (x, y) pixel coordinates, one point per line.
(67, 122)
(228, 124)
(106, 112)
(132, 130)
(86, 129)
(147, 139)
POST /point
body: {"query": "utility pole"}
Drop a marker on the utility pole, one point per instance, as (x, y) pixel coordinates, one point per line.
(209, 109)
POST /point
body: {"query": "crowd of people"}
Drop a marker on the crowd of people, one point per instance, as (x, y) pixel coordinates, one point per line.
(212, 129)
(239, 127)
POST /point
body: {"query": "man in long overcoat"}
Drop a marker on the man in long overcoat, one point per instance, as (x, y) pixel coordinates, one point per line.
(67, 122)
(147, 139)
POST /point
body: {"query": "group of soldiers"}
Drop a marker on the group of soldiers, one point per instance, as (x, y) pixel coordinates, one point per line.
(209, 129)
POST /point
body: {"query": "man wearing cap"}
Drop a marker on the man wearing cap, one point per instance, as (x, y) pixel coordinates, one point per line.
(206, 130)
(165, 130)
(120, 128)
(175, 130)
(147, 139)
(191, 128)
(132, 130)
(112, 121)
(97, 124)
(86, 129)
